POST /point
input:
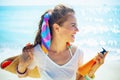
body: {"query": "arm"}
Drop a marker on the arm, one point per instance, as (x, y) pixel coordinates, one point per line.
(24, 61)
(99, 60)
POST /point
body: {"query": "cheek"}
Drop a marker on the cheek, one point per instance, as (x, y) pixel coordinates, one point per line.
(64, 33)
(67, 31)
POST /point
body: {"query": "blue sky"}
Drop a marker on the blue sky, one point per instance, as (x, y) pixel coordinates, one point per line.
(54, 2)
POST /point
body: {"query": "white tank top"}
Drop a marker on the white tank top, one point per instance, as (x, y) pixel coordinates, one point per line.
(49, 70)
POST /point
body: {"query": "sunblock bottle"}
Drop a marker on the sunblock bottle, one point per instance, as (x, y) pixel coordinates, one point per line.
(85, 68)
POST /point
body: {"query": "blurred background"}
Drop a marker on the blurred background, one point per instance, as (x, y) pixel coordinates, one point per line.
(98, 23)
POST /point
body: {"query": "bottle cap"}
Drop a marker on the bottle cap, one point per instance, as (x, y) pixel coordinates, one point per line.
(103, 51)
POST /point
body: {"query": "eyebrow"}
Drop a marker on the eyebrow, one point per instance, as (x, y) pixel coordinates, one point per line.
(74, 23)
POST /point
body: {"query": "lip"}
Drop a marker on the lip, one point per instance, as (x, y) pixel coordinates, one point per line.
(73, 35)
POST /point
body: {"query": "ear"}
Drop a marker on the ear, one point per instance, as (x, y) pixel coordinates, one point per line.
(56, 27)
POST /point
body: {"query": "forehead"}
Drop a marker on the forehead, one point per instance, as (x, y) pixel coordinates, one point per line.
(70, 21)
(71, 18)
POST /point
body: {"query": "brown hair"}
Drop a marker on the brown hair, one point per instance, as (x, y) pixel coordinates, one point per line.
(57, 16)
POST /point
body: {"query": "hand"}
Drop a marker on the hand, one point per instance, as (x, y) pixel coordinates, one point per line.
(99, 61)
(79, 77)
(26, 58)
(100, 58)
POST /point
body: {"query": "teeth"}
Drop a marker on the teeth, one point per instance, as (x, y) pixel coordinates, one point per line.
(73, 35)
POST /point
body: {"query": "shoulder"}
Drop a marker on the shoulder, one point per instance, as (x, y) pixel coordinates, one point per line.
(37, 48)
(38, 52)
(78, 52)
(39, 56)
(74, 48)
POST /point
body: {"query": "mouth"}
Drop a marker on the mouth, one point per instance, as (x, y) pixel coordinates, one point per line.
(73, 35)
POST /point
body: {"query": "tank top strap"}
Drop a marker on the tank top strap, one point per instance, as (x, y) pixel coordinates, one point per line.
(70, 52)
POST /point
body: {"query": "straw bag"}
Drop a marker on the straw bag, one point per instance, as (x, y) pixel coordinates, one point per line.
(11, 63)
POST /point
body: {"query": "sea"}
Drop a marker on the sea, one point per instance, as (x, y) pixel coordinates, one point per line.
(99, 27)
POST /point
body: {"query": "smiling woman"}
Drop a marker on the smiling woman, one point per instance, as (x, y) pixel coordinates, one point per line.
(97, 28)
(57, 53)
(50, 49)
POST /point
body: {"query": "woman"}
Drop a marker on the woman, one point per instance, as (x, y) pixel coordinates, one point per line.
(51, 52)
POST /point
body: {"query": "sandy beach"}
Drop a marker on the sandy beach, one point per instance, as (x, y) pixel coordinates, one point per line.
(108, 71)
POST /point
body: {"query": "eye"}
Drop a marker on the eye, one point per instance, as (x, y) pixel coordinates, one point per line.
(74, 25)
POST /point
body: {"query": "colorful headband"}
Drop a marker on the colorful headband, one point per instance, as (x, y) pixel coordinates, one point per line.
(45, 34)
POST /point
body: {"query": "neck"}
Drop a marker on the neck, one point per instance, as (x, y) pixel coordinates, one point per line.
(58, 46)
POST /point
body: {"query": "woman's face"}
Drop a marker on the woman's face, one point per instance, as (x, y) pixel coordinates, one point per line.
(69, 28)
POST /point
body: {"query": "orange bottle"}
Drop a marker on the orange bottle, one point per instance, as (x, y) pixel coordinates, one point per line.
(84, 69)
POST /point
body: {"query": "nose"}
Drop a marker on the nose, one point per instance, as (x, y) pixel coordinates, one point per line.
(76, 29)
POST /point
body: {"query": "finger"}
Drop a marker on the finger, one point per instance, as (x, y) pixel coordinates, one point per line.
(31, 55)
(28, 44)
(24, 48)
(106, 53)
(97, 61)
(25, 55)
(28, 50)
(101, 55)
(100, 59)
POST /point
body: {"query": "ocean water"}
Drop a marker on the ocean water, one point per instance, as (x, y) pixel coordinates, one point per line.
(98, 27)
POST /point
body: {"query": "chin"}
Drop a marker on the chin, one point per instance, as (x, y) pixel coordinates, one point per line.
(72, 40)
